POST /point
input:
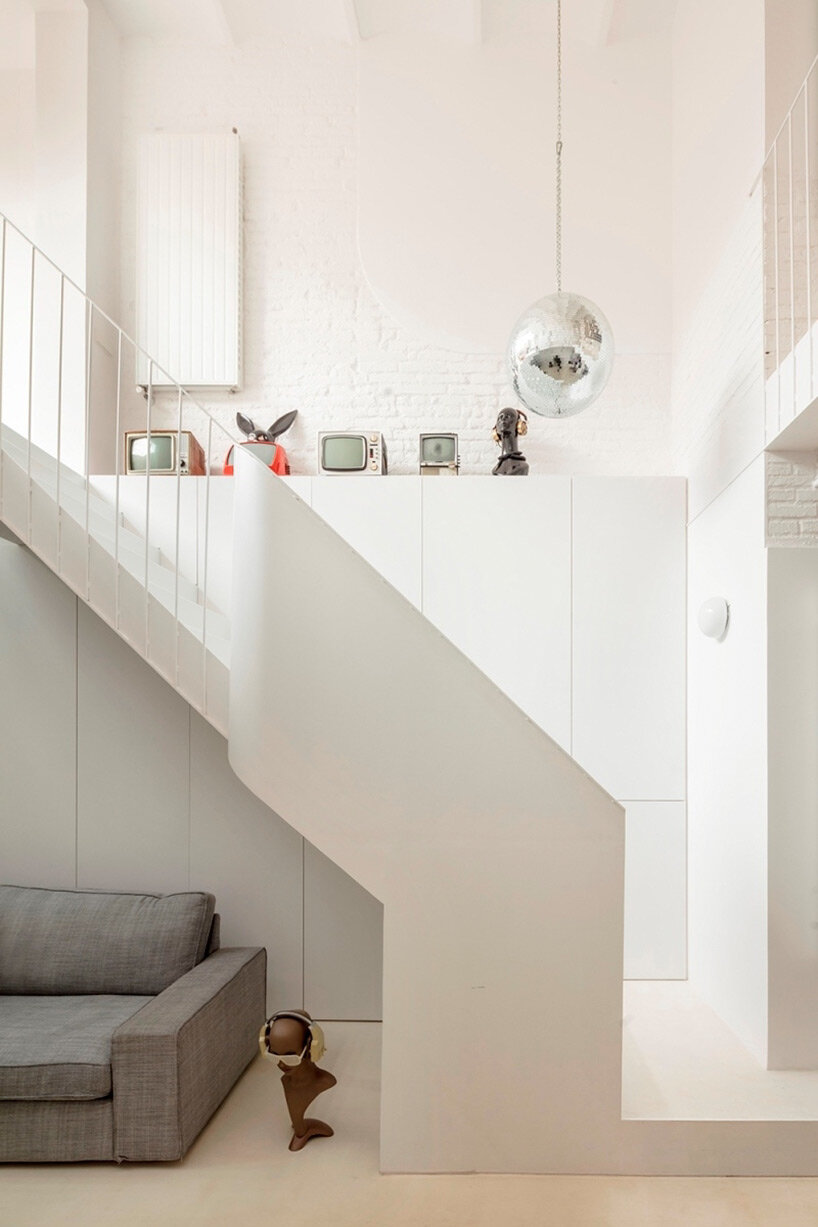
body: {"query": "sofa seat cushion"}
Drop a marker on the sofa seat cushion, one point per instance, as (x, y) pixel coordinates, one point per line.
(60, 1047)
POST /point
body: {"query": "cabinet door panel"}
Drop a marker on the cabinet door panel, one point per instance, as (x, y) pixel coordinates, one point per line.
(38, 623)
(655, 891)
(629, 634)
(380, 518)
(497, 582)
(132, 767)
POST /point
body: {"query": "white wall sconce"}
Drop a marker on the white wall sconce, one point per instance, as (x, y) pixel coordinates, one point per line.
(713, 617)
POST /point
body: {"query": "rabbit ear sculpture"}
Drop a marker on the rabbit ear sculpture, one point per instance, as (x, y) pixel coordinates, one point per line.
(283, 423)
(247, 427)
(279, 462)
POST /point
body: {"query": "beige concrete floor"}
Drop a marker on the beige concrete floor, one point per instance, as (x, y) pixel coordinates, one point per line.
(681, 1062)
(240, 1172)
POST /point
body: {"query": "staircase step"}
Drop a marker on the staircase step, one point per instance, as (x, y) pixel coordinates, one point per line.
(115, 587)
(125, 542)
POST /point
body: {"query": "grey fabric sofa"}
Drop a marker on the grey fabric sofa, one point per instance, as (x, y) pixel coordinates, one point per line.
(122, 1025)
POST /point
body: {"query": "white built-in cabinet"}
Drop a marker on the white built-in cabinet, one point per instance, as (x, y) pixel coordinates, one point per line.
(497, 582)
(382, 522)
(569, 593)
(629, 635)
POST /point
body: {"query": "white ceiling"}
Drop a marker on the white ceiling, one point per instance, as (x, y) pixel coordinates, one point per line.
(597, 22)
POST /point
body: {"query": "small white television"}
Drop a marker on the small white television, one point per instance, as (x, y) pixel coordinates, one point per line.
(345, 452)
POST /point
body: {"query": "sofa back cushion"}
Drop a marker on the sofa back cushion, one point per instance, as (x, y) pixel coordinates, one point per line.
(73, 941)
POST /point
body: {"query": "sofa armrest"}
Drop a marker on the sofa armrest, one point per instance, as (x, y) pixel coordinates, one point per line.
(176, 1059)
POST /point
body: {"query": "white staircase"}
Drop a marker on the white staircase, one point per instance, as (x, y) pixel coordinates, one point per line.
(498, 860)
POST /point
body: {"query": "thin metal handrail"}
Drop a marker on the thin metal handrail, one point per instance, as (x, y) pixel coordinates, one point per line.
(788, 116)
(7, 222)
(94, 317)
(789, 264)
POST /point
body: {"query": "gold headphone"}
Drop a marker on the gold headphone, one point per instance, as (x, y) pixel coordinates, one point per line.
(316, 1044)
(522, 426)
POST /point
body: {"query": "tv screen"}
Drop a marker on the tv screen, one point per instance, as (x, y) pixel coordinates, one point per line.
(161, 457)
(264, 451)
(438, 449)
(343, 453)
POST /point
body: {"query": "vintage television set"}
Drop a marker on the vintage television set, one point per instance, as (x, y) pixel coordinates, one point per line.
(161, 451)
(346, 451)
(439, 455)
(271, 454)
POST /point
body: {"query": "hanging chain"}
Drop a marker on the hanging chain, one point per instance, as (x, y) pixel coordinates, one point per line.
(559, 147)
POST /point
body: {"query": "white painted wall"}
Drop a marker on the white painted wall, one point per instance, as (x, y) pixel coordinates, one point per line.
(790, 46)
(457, 180)
(17, 111)
(138, 795)
(61, 138)
(316, 338)
(717, 136)
(727, 762)
(60, 131)
(718, 437)
(718, 367)
(104, 135)
(793, 803)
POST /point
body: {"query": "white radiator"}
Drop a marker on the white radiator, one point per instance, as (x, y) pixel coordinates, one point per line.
(189, 260)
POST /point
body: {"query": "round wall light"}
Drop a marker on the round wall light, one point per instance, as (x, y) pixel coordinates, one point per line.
(713, 617)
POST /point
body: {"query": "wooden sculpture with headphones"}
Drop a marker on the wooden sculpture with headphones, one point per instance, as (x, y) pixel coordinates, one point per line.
(295, 1042)
(510, 423)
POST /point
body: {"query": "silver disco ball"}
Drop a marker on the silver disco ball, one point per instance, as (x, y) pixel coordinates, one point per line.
(560, 355)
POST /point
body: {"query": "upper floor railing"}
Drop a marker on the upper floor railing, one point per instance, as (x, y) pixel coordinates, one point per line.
(791, 259)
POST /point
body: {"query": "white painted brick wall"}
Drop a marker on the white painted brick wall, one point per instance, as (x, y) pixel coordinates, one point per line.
(718, 369)
(315, 338)
(792, 500)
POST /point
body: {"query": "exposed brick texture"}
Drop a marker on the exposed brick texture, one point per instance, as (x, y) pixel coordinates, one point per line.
(315, 337)
(792, 499)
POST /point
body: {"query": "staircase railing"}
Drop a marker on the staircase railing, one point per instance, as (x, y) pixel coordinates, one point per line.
(148, 552)
(791, 260)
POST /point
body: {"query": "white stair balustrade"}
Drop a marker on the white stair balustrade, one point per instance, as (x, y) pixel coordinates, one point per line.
(135, 547)
(790, 180)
